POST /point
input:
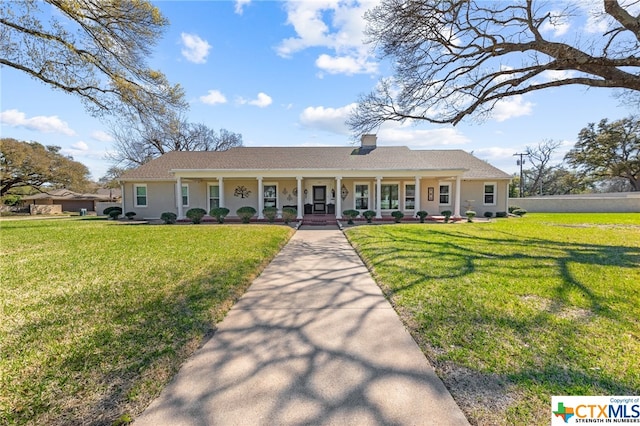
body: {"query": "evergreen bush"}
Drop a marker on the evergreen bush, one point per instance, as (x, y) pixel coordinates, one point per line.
(350, 215)
(246, 213)
(369, 214)
(169, 218)
(219, 213)
(196, 214)
(422, 215)
(397, 215)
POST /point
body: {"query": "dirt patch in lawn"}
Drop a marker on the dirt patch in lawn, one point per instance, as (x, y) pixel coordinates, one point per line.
(560, 310)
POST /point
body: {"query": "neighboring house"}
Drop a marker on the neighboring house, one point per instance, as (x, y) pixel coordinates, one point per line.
(317, 180)
(68, 200)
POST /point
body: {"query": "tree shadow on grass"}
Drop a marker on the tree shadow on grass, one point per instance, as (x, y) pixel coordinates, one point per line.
(465, 320)
(107, 349)
(312, 346)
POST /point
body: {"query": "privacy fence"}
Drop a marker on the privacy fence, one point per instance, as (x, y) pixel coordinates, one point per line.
(618, 202)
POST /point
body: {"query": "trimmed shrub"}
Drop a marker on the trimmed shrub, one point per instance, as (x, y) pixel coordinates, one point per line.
(369, 214)
(350, 215)
(512, 208)
(196, 214)
(501, 214)
(422, 215)
(246, 213)
(470, 215)
(108, 210)
(270, 213)
(130, 215)
(114, 214)
(488, 215)
(519, 212)
(169, 218)
(289, 214)
(397, 215)
(219, 213)
(447, 215)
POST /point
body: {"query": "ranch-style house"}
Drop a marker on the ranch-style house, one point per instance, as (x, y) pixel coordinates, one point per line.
(316, 180)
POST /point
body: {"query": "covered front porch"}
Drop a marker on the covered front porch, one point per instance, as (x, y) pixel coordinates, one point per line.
(319, 194)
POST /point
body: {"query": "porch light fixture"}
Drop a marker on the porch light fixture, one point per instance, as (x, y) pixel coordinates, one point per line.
(344, 192)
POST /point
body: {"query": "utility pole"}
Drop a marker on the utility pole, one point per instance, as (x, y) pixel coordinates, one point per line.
(520, 162)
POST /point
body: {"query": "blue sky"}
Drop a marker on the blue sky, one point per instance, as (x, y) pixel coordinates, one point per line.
(286, 73)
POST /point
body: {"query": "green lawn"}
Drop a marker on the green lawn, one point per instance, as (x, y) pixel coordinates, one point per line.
(514, 311)
(96, 317)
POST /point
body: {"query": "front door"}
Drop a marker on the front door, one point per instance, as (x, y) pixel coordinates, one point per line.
(319, 199)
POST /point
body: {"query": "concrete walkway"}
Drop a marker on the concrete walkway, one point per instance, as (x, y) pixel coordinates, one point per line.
(313, 341)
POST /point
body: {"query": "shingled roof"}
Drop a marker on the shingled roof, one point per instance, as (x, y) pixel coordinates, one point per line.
(316, 158)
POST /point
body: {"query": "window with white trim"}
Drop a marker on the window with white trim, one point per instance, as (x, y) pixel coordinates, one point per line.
(389, 196)
(270, 195)
(410, 196)
(445, 194)
(489, 198)
(140, 195)
(214, 197)
(185, 195)
(361, 196)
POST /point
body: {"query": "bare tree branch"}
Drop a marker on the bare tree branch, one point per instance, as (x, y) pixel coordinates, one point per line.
(94, 49)
(457, 58)
(138, 140)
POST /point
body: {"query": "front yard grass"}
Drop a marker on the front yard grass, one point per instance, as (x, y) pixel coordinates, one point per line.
(96, 317)
(514, 311)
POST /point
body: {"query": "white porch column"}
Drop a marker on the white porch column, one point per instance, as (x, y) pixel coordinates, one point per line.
(260, 198)
(417, 197)
(339, 197)
(221, 191)
(179, 197)
(122, 186)
(299, 189)
(456, 208)
(379, 197)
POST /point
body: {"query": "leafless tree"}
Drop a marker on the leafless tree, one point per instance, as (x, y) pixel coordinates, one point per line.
(458, 58)
(540, 156)
(139, 140)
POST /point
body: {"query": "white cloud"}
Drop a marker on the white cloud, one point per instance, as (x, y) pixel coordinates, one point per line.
(511, 107)
(195, 49)
(348, 65)
(327, 119)
(332, 24)
(557, 23)
(101, 136)
(262, 101)
(213, 97)
(598, 21)
(558, 75)
(80, 146)
(399, 134)
(40, 123)
(240, 4)
(496, 153)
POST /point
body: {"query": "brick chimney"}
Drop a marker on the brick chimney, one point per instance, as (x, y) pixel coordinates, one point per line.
(368, 141)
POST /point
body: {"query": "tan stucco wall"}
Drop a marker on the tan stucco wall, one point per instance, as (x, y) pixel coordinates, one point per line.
(161, 196)
(623, 202)
(472, 197)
